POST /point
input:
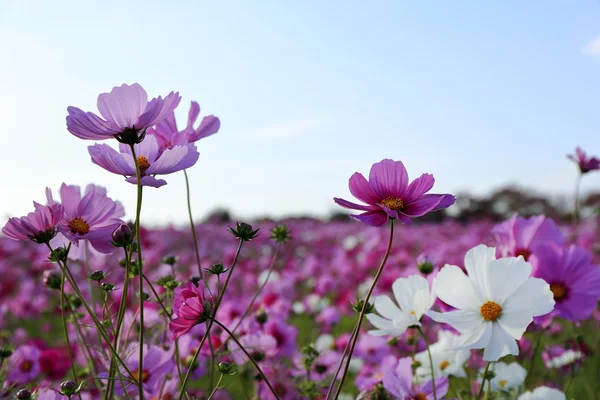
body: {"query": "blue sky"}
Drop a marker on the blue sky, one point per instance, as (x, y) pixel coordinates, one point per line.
(480, 94)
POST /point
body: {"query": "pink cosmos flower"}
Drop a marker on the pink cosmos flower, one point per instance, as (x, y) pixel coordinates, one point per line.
(585, 164)
(388, 194)
(573, 279)
(190, 308)
(168, 136)
(127, 114)
(151, 162)
(25, 366)
(39, 226)
(398, 381)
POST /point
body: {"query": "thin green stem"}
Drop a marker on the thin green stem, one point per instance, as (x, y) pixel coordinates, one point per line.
(189, 207)
(138, 211)
(337, 372)
(216, 387)
(162, 305)
(64, 321)
(364, 309)
(249, 357)
(536, 348)
(430, 361)
(211, 320)
(483, 379)
(576, 210)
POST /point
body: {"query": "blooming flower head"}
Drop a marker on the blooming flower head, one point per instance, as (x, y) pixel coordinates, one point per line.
(190, 308)
(495, 303)
(39, 226)
(398, 381)
(446, 359)
(543, 393)
(573, 280)
(92, 217)
(388, 194)
(585, 163)
(521, 236)
(150, 161)
(168, 136)
(506, 376)
(414, 298)
(127, 114)
(25, 365)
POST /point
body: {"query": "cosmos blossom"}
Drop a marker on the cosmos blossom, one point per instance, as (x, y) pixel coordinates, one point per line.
(39, 226)
(519, 236)
(543, 393)
(127, 114)
(168, 136)
(495, 303)
(398, 381)
(446, 360)
(190, 308)
(151, 162)
(585, 163)
(388, 194)
(506, 376)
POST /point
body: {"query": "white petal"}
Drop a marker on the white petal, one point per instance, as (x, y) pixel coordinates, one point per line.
(379, 322)
(386, 307)
(477, 261)
(515, 322)
(535, 294)
(454, 288)
(477, 338)
(461, 320)
(506, 275)
(406, 289)
(500, 344)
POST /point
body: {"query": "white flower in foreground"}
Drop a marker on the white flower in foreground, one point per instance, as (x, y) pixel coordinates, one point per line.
(495, 303)
(506, 376)
(543, 393)
(446, 360)
(414, 298)
(566, 358)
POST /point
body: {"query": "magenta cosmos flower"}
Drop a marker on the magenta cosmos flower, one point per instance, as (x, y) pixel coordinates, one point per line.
(151, 162)
(573, 279)
(39, 226)
(127, 114)
(190, 308)
(585, 163)
(92, 217)
(398, 381)
(388, 194)
(168, 136)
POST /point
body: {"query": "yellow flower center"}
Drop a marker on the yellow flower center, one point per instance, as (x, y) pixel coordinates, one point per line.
(143, 163)
(26, 366)
(503, 383)
(79, 225)
(559, 291)
(145, 374)
(523, 252)
(393, 203)
(490, 311)
(413, 312)
(420, 396)
(444, 364)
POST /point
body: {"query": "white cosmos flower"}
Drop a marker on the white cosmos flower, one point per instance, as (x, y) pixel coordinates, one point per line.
(506, 376)
(543, 393)
(446, 360)
(495, 303)
(566, 358)
(414, 298)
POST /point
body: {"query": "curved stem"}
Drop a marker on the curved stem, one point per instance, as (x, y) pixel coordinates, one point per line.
(162, 305)
(249, 356)
(536, 348)
(484, 378)
(576, 210)
(430, 362)
(189, 207)
(138, 211)
(337, 372)
(216, 387)
(64, 321)
(364, 309)
(211, 320)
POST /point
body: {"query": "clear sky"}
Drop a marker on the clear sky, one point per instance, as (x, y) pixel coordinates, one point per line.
(478, 93)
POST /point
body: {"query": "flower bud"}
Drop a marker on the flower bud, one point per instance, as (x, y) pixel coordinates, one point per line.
(170, 260)
(216, 269)
(97, 276)
(358, 306)
(261, 316)
(122, 236)
(24, 394)
(107, 287)
(52, 279)
(226, 368)
(59, 254)
(425, 265)
(243, 231)
(68, 388)
(280, 234)
(6, 351)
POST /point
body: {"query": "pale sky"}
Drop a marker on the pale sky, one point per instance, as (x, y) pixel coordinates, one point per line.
(480, 94)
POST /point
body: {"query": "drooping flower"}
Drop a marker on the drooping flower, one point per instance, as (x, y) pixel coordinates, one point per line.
(190, 308)
(446, 359)
(39, 226)
(521, 236)
(414, 298)
(543, 393)
(495, 303)
(388, 194)
(398, 381)
(151, 163)
(168, 136)
(92, 217)
(506, 376)
(585, 163)
(127, 114)
(573, 279)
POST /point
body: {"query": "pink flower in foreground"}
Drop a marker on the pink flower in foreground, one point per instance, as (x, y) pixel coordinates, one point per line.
(168, 136)
(585, 164)
(190, 308)
(398, 381)
(127, 114)
(388, 194)
(39, 226)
